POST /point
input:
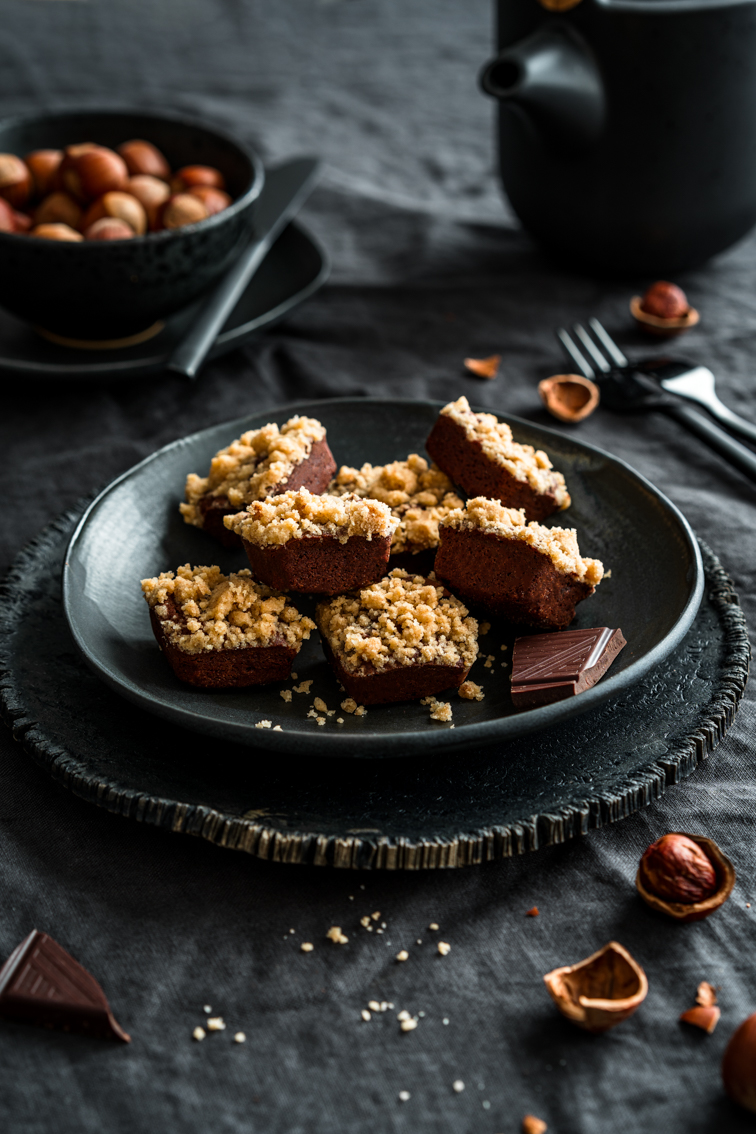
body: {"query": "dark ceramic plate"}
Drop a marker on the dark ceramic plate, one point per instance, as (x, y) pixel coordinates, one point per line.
(295, 267)
(133, 530)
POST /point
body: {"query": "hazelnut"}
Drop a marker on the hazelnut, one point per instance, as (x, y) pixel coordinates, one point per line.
(601, 991)
(120, 205)
(191, 175)
(183, 209)
(43, 166)
(152, 193)
(109, 228)
(143, 157)
(739, 1065)
(665, 300)
(95, 171)
(664, 310)
(214, 200)
(569, 397)
(685, 876)
(15, 181)
(56, 232)
(7, 217)
(58, 208)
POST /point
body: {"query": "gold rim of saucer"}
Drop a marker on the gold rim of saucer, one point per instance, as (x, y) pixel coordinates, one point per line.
(103, 344)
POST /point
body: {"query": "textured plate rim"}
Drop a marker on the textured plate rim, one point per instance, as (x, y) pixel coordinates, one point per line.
(401, 743)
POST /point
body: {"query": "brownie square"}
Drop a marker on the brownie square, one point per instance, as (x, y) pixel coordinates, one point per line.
(478, 452)
(526, 573)
(223, 632)
(401, 639)
(315, 544)
(262, 462)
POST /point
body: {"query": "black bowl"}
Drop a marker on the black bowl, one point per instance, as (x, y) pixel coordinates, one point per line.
(111, 289)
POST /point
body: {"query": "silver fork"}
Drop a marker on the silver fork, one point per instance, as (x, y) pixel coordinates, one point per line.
(626, 387)
(694, 383)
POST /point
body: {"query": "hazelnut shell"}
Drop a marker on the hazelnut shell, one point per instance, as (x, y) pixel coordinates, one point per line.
(695, 911)
(705, 1017)
(569, 397)
(662, 328)
(601, 991)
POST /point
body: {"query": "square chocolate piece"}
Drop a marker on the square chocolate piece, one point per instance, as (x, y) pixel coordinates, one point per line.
(478, 452)
(526, 573)
(262, 462)
(402, 639)
(551, 667)
(224, 632)
(315, 544)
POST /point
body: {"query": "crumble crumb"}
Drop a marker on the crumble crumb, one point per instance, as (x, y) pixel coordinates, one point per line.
(258, 462)
(376, 915)
(349, 705)
(560, 545)
(339, 720)
(403, 1015)
(277, 728)
(216, 1024)
(523, 462)
(488, 663)
(331, 713)
(402, 955)
(304, 686)
(503, 647)
(294, 515)
(469, 691)
(320, 705)
(417, 495)
(484, 628)
(320, 720)
(441, 711)
(306, 947)
(433, 925)
(458, 1085)
(294, 676)
(444, 947)
(207, 1009)
(404, 1096)
(360, 711)
(334, 934)
(365, 921)
(286, 694)
(201, 609)
(408, 1025)
(264, 724)
(402, 620)
(365, 1015)
(374, 1005)
(240, 1037)
(199, 1034)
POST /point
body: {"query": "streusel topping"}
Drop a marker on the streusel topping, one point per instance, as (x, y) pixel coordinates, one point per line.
(252, 466)
(202, 609)
(560, 544)
(293, 515)
(402, 620)
(523, 462)
(418, 496)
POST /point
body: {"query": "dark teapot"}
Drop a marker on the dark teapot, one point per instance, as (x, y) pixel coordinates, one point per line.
(627, 128)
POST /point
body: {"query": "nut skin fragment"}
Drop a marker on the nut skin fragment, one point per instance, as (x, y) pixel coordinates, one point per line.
(702, 1017)
(484, 367)
(532, 912)
(685, 911)
(533, 1125)
(601, 991)
(569, 397)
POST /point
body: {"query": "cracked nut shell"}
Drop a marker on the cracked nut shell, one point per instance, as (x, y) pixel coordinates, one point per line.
(569, 397)
(674, 881)
(601, 991)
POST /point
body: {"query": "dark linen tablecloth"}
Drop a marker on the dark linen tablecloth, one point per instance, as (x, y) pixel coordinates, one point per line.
(429, 267)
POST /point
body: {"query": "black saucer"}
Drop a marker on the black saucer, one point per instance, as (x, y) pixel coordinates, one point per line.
(295, 267)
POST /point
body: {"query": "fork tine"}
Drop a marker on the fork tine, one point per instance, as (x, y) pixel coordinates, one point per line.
(591, 347)
(575, 355)
(607, 342)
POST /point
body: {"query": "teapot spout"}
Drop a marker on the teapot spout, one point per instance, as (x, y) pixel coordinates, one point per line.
(551, 76)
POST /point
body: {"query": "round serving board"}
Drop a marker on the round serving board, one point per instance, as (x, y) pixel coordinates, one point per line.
(437, 810)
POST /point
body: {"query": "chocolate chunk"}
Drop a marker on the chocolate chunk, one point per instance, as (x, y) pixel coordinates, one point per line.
(550, 667)
(42, 984)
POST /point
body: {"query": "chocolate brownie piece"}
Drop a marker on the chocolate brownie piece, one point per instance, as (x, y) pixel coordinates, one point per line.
(526, 573)
(262, 462)
(315, 544)
(401, 639)
(418, 496)
(222, 632)
(478, 452)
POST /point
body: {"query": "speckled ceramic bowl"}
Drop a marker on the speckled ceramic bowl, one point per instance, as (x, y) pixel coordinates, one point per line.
(103, 290)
